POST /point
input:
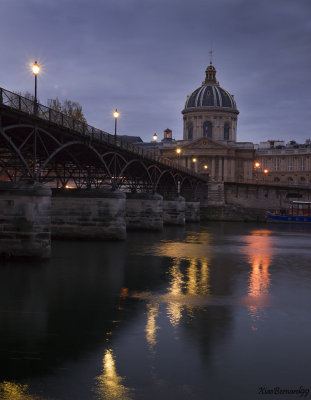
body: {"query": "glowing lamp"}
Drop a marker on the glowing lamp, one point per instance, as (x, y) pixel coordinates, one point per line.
(35, 68)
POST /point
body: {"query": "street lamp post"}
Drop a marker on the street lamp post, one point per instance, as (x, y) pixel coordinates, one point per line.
(114, 183)
(265, 171)
(35, 71)
(116, 115)
(155, 138)
(178, 151)
(257, 165)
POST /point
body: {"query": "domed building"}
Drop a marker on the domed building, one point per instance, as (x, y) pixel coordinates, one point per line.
(210, 111)
(209, 143)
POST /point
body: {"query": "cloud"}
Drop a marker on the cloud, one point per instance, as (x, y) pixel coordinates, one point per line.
(147, 56)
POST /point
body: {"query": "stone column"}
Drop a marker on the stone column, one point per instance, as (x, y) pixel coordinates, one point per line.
(174, 211)
(213, 167)
(144, 211)
(232, 169)
(220, 167)
(225, 168)
(88, 214)
(25, 220)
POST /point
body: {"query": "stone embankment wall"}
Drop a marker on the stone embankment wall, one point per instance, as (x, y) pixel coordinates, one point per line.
(144, 211)
(25, 220)
(88, 214)
(264, 196)
(250, 202)
(229, 212)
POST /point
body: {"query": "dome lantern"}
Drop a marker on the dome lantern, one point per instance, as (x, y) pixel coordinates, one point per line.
(210, 75)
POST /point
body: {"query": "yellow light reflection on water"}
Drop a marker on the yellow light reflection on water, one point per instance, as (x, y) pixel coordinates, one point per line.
(109, 383)
(192, 287)
(188, 281)
(175, 291)
(151, 326)
(16, 391)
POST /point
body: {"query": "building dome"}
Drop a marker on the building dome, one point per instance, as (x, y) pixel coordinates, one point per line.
(210, 111)
(210, 94)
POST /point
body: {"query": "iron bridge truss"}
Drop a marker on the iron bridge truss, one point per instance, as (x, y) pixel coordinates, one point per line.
(40, 144)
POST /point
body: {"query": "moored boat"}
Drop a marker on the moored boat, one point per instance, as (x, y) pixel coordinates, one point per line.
(299, 212)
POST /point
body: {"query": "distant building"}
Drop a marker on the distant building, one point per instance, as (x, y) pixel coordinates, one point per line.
(287, 163)
(209, 144)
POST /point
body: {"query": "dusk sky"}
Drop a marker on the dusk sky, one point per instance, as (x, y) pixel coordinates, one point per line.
(145, 57)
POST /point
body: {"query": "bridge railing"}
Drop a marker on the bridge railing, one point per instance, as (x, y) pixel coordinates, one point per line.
(29, 106)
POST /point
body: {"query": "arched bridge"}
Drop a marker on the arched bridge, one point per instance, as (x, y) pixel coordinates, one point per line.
(41, 144)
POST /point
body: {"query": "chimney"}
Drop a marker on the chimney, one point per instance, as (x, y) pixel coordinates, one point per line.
(167, 135)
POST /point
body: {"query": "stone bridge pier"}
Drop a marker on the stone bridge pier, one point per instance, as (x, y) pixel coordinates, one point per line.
(144, 211)
(25, 219)
(31, 213)
(174, 210)
(88, 214)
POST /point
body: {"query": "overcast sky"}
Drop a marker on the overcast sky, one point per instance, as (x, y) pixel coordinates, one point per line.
(145, 56)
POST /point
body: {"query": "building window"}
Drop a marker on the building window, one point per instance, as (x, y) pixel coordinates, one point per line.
(190, 131)
(226, 132)
(277, 163)
(290, 164)
(302, 163)
(207, 129)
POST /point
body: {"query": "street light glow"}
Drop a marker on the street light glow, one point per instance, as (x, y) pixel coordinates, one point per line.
(194, 160)
(155, 137)
(257, 164)
(178, 150)
(266, 171)
(116, 113)
(205, 166)
(35, 68)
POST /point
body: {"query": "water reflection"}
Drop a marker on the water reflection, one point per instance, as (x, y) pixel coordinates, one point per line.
(109, 384)
(175, 291)
(16, 391)
(188, 280)
(151, 326)
(260, 255)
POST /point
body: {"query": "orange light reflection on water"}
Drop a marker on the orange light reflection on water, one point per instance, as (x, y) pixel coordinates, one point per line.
(260, 254)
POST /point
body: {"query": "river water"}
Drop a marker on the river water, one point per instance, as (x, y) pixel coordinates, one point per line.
(215, 311)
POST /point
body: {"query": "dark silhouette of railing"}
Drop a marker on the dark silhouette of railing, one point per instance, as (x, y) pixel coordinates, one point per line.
(35, 109)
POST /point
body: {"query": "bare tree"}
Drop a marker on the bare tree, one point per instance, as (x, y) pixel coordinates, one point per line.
(71, 108)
